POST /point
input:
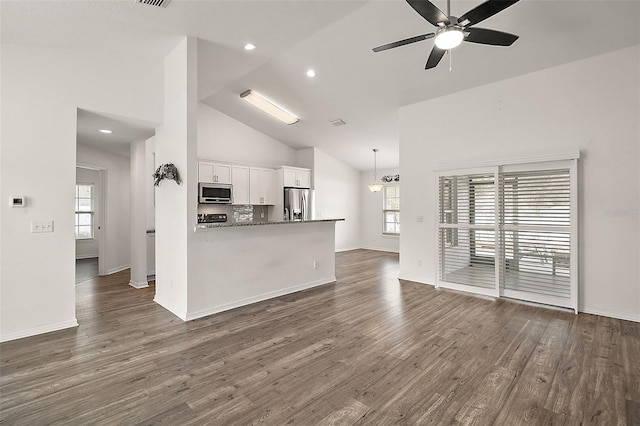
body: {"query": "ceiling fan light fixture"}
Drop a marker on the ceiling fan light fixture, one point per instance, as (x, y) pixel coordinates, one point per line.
(269, 107)
(449, 38)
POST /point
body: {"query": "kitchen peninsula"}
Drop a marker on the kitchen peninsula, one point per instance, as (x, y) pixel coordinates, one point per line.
(235, 264)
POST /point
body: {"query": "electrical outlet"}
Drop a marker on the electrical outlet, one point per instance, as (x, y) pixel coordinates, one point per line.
(42, 226)
(420, 262)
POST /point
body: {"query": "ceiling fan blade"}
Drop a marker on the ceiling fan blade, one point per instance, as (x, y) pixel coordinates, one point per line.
(492, 37)
(434, 57)
(429, 11)
(403, 42)
(484, 11)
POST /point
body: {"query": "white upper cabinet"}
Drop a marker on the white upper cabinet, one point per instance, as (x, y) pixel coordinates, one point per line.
(214, 172)
(295, 177)
(262, 183)
(240, 181)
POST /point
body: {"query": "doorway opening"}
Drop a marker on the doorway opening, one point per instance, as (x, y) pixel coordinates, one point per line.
(89, 215)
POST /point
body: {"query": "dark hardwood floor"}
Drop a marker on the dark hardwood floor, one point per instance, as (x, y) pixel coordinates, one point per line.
(366, 350)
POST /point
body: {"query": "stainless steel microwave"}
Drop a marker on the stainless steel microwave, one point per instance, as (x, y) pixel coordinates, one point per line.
(215, 193)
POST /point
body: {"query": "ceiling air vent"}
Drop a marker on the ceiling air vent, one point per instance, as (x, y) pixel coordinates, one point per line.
(158, 3)
(338, 122)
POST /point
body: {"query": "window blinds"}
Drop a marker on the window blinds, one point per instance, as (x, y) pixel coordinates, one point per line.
(508, 231)
(467, 230)
(536, 231)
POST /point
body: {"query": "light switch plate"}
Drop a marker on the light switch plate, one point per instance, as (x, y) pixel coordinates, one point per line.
(41, 226)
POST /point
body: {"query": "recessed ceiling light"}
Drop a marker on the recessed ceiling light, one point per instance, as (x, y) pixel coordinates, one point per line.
(311, 73)
(249, 46)
(107, 131)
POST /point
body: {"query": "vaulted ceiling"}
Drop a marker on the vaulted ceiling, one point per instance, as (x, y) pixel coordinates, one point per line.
(335, 38)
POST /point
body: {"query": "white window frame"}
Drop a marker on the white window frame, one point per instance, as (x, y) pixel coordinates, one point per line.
(92, 212)
(385, 210)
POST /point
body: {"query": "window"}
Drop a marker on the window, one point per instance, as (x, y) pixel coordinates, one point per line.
(84, 211)
(391, 209)
(510, 231)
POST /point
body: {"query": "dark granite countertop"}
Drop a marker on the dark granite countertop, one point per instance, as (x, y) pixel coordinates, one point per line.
(202, 226)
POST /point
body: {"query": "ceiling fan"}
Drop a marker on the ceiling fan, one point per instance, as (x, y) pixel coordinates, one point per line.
(452, 30)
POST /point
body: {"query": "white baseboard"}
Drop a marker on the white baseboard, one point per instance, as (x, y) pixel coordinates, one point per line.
(415, 280)
(143, 284)
(169, 307)
(259, 298)
(338, 250)
(380, 249)
(87, 256)
(609, 313)
(117, 269)
(39, 330)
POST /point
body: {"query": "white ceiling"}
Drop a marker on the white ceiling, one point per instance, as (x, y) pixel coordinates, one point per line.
(125, 130)
(363, 88)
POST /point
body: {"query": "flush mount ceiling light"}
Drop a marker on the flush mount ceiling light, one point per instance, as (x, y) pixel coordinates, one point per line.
(249, 46)
(448, 38)
(107, 131)
(269, 107)
(375, 187)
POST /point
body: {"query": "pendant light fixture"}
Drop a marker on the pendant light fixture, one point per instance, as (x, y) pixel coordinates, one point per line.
(375, 187)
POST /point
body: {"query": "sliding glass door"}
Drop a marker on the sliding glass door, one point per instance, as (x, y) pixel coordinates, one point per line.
(510, 231)
(467, 231)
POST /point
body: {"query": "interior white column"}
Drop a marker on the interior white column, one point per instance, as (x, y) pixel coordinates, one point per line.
(176, 205)
(138, 206)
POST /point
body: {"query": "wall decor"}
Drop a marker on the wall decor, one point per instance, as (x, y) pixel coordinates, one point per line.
(390, 178)
(166, 171)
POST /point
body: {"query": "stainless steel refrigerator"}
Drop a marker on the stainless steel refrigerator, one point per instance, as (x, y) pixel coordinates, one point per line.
(299, 204)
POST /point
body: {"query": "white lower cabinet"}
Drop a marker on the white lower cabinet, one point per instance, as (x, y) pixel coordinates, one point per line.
(262, 186)
(241, 187)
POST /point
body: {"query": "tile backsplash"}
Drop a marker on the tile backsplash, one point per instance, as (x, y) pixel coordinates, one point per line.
(237, 213)
(242, 214)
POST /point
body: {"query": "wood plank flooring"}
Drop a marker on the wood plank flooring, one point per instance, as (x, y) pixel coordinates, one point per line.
(367, 350)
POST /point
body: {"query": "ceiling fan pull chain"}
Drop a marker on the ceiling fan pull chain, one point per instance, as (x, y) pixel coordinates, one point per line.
(450, 61)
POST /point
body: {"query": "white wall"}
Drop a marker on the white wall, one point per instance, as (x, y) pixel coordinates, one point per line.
(241, 265)
(140, 182)
(86, 249)
(371, 236)
(41, 91)
(150, 167)
(337, 192)
(117, 237)
(221, 137)
(591, 105)
(176, 205)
